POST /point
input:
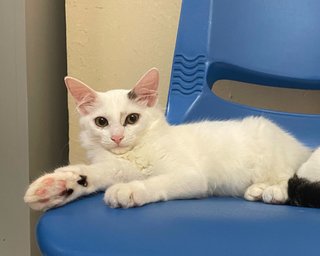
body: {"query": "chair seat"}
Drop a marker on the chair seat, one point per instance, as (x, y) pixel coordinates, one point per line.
(212, 226)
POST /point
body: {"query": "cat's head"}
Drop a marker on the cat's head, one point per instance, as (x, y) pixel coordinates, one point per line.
(117, 119)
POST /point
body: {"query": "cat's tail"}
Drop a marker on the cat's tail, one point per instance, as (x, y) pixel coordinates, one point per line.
(304, 187)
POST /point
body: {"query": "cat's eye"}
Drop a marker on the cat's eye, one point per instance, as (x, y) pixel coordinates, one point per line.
(132, 118)
(101, 121)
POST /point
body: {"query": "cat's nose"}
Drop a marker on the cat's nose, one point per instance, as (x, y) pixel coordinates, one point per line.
(117, 138)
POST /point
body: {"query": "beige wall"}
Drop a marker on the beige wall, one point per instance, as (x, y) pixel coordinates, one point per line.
(111, 43)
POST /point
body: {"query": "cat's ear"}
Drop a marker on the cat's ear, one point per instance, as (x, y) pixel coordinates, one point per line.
(145, 91)
(84, 96)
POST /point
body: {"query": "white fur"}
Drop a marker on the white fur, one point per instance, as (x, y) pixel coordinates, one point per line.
(252, 157)
(311, 168)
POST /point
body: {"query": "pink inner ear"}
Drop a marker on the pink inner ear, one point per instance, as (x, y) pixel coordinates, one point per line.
(146, 89)
(84, 96)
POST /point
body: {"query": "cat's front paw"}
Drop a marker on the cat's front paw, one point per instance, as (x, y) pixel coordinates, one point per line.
(275, 194)
(127, 195)
(54, 189)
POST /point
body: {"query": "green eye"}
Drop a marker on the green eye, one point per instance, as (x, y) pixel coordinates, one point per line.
(132, 118)
(101, 121)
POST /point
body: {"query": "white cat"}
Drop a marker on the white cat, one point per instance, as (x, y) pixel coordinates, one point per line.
(138, 158)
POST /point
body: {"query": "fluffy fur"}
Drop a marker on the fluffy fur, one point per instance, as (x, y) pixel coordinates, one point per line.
(147, 160)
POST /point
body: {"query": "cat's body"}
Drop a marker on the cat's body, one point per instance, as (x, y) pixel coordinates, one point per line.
(139, 158)
(231, 155)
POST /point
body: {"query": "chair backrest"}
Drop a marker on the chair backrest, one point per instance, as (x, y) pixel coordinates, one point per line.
(270, 43)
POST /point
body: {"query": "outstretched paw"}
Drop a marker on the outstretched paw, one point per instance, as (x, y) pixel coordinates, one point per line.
(55, 189)
(127, 195)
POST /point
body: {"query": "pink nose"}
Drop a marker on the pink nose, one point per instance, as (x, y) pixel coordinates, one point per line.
(117, 138)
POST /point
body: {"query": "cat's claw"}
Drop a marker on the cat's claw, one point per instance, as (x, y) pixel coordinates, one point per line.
(126, 195)
(53, 189)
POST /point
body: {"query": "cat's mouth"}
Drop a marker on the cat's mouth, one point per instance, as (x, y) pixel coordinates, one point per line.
(119, 150)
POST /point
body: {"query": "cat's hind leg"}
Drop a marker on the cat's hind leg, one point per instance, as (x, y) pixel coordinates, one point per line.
(276, 193)
(255, 191)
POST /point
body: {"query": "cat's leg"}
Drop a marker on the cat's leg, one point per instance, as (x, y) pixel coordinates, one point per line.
(275, 193)
(255, 191)
(178, 185)
(68, 183)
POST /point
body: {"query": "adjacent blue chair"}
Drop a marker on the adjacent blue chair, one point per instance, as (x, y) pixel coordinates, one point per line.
(271, 43)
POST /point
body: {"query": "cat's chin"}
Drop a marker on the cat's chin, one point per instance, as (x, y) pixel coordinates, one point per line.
(120, 150)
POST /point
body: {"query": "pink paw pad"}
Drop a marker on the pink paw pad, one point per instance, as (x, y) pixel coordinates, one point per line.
(51, 187)
(62, 184)
(41, 192)
(48, 181)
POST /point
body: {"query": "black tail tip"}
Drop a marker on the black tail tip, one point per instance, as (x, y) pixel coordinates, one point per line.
(303, 192)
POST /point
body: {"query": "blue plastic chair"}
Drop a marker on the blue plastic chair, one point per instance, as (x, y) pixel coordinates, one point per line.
(272, 43)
